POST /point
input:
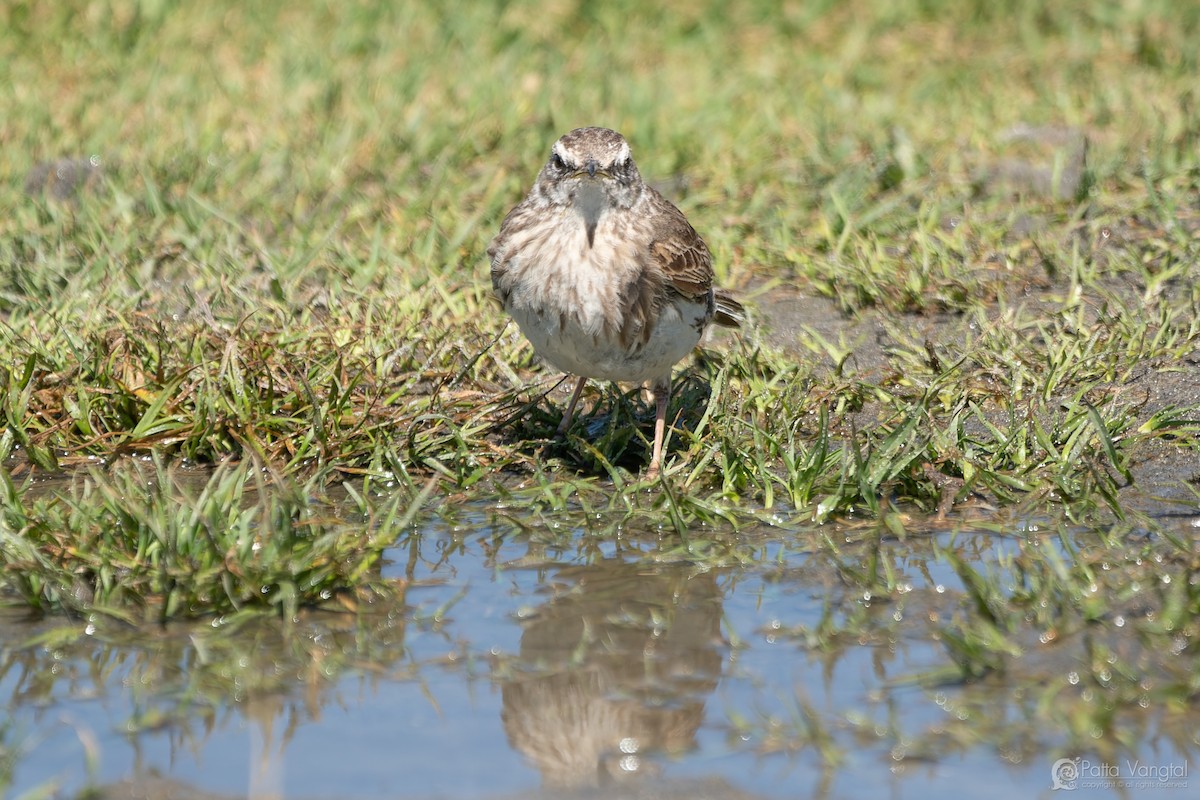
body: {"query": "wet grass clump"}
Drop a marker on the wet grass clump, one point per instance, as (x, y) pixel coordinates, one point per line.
(1054, 640)
(146, 542)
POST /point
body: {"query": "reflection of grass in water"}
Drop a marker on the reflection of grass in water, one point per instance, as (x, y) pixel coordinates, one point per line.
(14, 744)
(184, 681)
(1063, 641)
(181, 678)
(8, 754)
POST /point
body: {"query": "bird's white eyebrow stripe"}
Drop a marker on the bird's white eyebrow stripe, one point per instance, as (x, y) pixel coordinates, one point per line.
(558, 151)
(623, 153)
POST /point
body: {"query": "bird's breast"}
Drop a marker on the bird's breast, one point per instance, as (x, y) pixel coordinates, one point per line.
(557, 270)
(590, 307)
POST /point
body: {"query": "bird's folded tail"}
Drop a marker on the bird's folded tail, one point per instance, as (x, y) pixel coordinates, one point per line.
(729, 312)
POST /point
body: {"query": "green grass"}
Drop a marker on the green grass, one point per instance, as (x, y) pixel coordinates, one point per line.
(143, 542)
(279, 270)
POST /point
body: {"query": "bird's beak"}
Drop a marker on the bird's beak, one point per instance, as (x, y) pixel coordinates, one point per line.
(591, 167)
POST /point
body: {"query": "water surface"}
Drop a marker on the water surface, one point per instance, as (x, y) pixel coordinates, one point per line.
(725, 665)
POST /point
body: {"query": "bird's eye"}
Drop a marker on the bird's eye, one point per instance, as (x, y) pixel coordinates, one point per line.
(557, 162)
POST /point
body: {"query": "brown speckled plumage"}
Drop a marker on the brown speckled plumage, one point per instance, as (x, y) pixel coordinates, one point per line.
(604, 276)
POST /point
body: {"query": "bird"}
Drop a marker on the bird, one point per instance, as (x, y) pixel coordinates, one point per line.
(604, 276)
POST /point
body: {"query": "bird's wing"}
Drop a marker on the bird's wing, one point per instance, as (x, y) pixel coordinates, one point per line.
(678, 252)
(498, 248)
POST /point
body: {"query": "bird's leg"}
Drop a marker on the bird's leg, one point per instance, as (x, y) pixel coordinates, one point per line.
(570, 414)
(662, 393)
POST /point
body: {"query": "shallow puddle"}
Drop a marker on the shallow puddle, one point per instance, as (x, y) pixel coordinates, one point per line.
(798, 662)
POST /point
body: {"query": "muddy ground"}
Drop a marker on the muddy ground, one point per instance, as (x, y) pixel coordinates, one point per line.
(1164, 475)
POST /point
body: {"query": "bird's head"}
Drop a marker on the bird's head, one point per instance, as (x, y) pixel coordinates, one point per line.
(588, 162)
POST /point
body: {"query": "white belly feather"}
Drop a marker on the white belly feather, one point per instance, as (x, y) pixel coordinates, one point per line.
(602, 357)
(564, 297)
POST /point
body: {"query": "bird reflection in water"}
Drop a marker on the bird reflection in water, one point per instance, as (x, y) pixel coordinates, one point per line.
(613, 669)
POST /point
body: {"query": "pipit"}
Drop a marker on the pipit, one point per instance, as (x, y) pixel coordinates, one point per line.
(603, 275)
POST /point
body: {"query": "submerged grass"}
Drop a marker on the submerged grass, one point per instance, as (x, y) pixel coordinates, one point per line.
(1051, 640)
